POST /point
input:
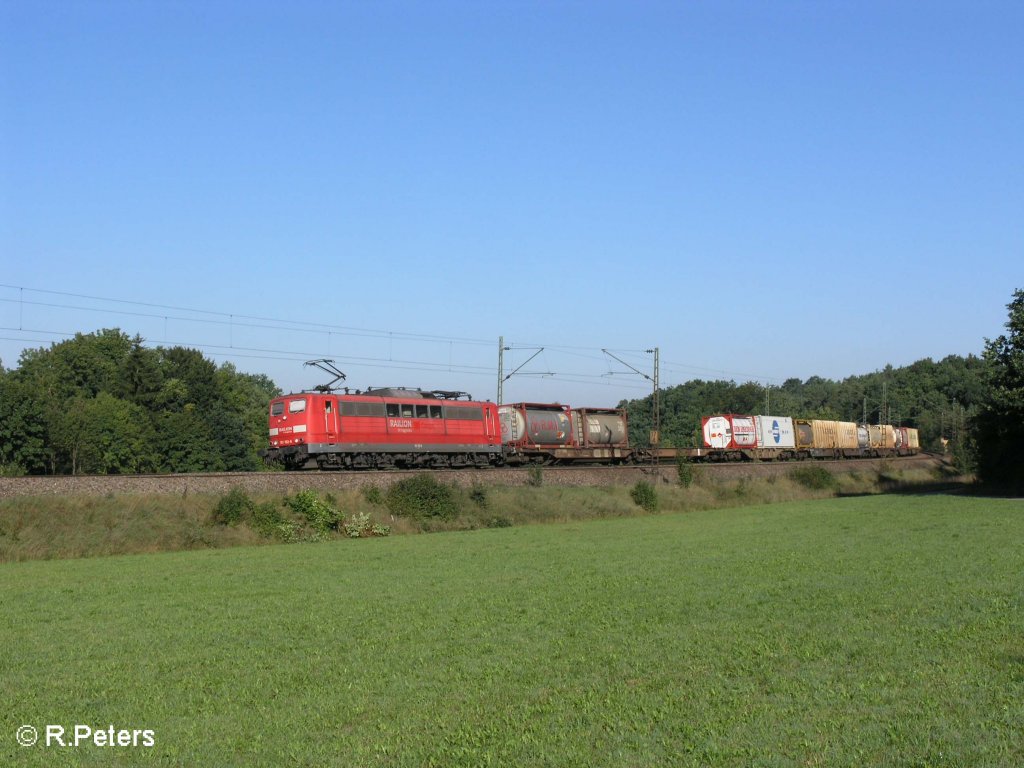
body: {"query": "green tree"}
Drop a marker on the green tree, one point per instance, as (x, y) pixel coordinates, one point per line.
(1000, 424)
(231, 441)
(84, 365)
(140, 378)
(245, 397)
(22, 427)
(102, 402)
(194, 371)
(186, 442)
(102, 435)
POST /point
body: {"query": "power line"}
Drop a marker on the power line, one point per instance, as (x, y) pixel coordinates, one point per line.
(231, 321)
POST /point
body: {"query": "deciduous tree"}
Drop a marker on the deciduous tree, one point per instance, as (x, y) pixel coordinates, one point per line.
(1000, 425)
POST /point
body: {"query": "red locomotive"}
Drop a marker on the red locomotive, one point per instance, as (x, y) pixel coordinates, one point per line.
(383, 428)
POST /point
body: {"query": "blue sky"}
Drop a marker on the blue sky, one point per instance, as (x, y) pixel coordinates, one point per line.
(761, 190)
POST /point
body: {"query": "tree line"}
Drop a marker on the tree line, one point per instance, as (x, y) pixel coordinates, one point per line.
(102, 403)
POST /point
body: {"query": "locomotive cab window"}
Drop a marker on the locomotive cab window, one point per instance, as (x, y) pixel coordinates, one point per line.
(276, 409)
(393, 410)
(296, 406)
(407, 411)
(422, 412)
(435, 412)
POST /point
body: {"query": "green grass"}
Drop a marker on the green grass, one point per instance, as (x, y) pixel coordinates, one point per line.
(883, 630)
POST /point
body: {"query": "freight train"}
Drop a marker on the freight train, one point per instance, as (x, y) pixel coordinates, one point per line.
(408, 428)
(733, 437)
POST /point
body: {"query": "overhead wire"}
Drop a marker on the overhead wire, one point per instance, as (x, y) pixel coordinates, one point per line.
(232, 321)
(281, 324)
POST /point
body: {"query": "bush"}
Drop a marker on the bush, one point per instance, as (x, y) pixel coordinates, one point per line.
(267, 521)
(685, 472)
(965, 456)
(233, 508)
(322, 515)
(421, 497)
(534, 477)
(645, 496)
(372, 494)
(358, 525)
(814, 478)
(287, 531)
(478, 495)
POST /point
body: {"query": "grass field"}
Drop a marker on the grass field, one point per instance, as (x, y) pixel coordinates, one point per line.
(882, 630)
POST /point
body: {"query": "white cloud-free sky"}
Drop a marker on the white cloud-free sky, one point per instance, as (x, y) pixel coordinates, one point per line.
(760, 190)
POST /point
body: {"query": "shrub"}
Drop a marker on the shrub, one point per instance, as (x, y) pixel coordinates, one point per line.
(534, 477)
(322, 515)
(372, 494)
(814, 478)
(421, 497)
(685, 472)
(645, 496)
(357, 526)
(360, 527)
(478, 495)
(267, 520)
(965, 456)
(233, 508)
(287, 531)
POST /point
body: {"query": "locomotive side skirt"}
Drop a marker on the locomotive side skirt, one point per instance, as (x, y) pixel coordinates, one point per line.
(393, 448)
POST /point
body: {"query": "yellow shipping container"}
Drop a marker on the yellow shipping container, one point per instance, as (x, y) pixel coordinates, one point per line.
(820, 434)
(837, 434)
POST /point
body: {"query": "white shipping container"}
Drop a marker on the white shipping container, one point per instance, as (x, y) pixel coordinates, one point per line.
(775, 432)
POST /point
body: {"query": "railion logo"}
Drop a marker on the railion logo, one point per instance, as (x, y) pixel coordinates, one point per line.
(776, 432)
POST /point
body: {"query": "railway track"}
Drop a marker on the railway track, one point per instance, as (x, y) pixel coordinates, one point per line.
(290, 482)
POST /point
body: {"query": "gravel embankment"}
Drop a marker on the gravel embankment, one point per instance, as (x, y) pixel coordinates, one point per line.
(289, 482)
